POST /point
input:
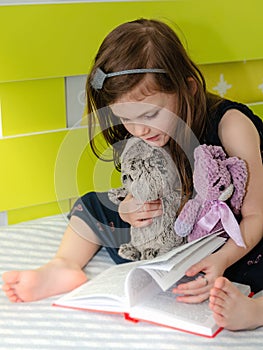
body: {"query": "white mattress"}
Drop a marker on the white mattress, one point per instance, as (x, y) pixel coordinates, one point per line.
(39, 325)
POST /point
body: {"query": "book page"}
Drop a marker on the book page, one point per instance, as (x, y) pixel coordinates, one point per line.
(140, 285)
(162, 308)
(179, 255)
(104, 292)
(166, 279)
(165, 258)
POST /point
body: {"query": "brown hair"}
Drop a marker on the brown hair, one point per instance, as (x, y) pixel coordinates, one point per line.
(147, 43)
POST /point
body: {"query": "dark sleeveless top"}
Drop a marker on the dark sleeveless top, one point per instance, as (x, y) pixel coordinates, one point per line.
(211, 136)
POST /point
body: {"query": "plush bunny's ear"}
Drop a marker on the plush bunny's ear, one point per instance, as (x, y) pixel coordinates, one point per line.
(208, 153)
(238, 170)
(203, 158)
(216, 152)
(207, 158)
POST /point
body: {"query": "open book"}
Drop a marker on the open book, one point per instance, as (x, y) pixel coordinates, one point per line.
(142, 290)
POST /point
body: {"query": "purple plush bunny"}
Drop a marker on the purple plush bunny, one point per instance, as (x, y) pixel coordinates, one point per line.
(216, 178)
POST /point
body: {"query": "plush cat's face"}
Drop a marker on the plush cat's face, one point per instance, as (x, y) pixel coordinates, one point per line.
(144, 172)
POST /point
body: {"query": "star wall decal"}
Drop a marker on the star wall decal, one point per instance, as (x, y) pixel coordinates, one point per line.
(222, 86)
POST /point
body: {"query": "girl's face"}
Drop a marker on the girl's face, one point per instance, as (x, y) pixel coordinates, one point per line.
(152, 118)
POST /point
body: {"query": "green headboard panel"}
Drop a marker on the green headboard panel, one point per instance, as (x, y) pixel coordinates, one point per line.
(42, 45)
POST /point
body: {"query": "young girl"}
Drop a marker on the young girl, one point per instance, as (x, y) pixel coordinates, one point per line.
(144, 84)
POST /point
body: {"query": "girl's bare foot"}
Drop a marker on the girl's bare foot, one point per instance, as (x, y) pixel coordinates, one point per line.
(232, 309)
(56, 277)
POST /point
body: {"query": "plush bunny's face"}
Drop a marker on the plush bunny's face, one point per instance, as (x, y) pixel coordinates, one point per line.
(217, 176)
(212, 178)
(216, 182)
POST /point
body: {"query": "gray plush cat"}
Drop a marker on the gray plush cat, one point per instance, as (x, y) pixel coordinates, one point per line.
(149, 173)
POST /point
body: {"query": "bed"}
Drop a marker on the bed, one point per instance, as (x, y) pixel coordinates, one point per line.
(39, 325)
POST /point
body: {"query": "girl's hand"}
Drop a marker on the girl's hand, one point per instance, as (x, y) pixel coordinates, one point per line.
(139, 214)
(198, 290)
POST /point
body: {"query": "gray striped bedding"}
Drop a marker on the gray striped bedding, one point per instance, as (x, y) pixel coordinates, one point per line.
(40, 325)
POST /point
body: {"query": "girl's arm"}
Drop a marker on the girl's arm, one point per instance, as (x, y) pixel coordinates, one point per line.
(239, 138)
